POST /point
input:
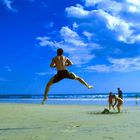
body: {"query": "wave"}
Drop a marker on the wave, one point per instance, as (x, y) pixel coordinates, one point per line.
(69, 96)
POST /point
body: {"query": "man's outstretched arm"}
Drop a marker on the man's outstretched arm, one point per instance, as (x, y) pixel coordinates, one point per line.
(115, 103)
(52, 65)
(68, 62)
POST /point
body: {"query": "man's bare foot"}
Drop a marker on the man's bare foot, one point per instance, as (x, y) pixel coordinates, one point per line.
(43, 102)
(90, 87)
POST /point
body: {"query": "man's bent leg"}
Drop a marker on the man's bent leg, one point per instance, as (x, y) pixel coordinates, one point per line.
(47, 90)
(118, 107)
(83, 82)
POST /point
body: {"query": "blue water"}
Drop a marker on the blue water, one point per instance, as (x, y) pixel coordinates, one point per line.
(130, 99)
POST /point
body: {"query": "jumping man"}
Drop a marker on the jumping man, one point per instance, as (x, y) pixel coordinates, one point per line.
(61, 62)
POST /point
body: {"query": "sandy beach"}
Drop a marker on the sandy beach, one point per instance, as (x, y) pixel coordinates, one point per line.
(69, 122)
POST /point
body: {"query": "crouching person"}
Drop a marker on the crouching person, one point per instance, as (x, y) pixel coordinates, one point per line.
(118, 102)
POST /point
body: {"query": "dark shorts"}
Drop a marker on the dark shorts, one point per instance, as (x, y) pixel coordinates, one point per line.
(63, 74)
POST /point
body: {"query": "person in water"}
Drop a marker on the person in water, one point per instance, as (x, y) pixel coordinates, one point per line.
(118, 102)
(60, 62)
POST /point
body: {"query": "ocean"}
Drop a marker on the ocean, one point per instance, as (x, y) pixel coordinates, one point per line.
(130, 99)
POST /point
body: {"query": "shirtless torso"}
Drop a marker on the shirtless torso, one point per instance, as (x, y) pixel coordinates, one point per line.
(60, 62)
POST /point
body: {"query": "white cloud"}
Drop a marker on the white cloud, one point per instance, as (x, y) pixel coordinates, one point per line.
(77, 11)
(92, 2)
(117, 65)
(133, 6)
(134, 2)
(106, 12)
(88, 34)
(98, 68)
(71, 37)
(89, 21)
(8, 4)
(75, 25)
(124, 30)
(110, 6)
(125, 64)
(115, 7)
(45, 41)
(79, 51)
(118, 25)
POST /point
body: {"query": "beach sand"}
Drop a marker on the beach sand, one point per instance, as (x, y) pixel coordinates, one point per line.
(67, 122)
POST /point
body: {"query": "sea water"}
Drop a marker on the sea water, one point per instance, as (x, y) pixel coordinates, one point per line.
(130, 99)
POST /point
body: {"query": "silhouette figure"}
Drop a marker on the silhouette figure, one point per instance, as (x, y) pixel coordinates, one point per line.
(60, 62)
(120, 94)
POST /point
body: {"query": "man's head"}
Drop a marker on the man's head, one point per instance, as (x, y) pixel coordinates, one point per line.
(118, 88)
(59, 51)
(110, 93)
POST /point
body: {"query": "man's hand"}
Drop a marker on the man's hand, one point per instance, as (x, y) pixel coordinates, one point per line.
(52, 65)
(113, 107)
(68, 62)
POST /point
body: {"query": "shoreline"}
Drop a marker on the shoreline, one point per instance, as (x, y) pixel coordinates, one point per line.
(95, 102)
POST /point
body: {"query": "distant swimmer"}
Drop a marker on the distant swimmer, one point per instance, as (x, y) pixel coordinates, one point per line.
(118, 102)
(60, 62)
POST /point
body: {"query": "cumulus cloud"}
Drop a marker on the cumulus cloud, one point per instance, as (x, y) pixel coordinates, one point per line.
(99, 21)
(118, 25)
(88, 34)
(114, 6)
(106, 5)
(125, 64)
(123, 29)
(117, 65)
(77, 11)
(45, 41)
(111, 14)
(79, 51)
(75, 25)
(133, 6)
(71, 37)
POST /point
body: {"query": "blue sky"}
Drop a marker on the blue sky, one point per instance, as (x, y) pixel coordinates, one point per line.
(101, 37)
